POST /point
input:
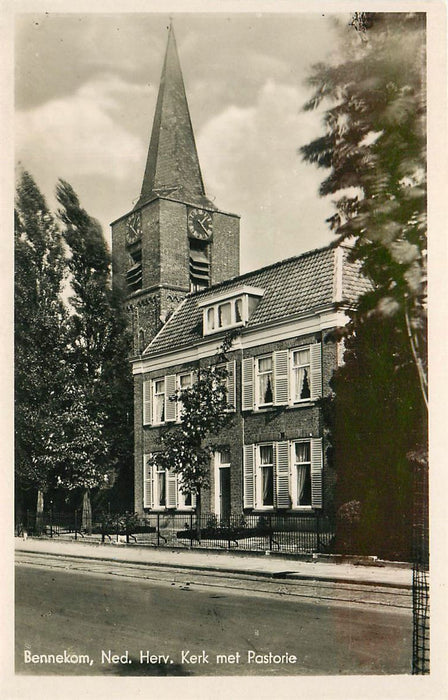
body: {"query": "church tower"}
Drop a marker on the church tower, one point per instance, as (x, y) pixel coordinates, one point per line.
(175, 240)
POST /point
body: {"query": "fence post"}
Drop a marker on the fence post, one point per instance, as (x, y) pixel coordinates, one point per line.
(158, 529)
(127, 526)
(51, 519)
(317, 532)
(191, 530)
(27, 520)
(270, 532)
(76, 523)
(117, 528)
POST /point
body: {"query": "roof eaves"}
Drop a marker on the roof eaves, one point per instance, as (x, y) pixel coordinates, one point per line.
(245, 330)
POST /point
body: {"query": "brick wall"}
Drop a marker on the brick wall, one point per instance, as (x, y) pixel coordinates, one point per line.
(226, 247)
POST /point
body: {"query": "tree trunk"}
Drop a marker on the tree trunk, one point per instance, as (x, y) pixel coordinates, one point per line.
(86, 522)
(40, 512)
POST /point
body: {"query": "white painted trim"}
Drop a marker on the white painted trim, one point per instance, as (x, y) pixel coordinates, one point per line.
(337, 277)
(249, 339)
(217, 467)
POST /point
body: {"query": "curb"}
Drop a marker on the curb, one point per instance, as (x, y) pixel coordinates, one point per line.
(284, 575)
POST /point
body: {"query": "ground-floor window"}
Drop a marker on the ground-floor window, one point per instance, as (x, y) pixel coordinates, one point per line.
(265, 471)
(162, 489)
(285, 474)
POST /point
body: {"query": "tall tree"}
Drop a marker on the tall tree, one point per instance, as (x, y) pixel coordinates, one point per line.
(374, 150)
(40, 323)
(374, 146)
(98, 346)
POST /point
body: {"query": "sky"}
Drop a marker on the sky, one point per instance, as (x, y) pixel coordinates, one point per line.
(86, 87)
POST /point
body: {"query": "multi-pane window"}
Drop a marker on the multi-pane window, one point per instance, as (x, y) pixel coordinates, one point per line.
(283, 475)
(301, 474)
(185, 382)
(158, 404)
(228, 312)
(239, 310)
(184, 500)
(224, 314)
(301, 378)
(159, 395)
(211, 319)
(264, 380)
(160, 488)
(266, 475)
(282, 378)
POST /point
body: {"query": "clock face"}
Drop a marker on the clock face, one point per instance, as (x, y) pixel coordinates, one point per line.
(200, 223)
(134, 227)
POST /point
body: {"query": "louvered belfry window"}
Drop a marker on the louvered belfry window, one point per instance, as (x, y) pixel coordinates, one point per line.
(199, 266)
(134, 273)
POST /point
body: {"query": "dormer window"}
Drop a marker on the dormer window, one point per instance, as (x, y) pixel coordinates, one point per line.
(229, 309)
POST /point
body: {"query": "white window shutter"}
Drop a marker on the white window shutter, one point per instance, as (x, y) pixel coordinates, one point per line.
(170, 389)
(282, 475)
(231, 383)
(248, 384)
(147, 483)
(316, 473)
(147, 402)
(171, 489)
(316, 370)
(281, 392)
(249, 476)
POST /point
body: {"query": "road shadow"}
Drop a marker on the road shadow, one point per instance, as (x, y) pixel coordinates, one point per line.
(135, 668)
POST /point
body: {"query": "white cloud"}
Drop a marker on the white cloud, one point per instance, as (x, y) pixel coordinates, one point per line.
(251, 165)
(78, 134)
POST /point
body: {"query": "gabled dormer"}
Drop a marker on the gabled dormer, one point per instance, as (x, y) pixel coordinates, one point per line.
(229, 309)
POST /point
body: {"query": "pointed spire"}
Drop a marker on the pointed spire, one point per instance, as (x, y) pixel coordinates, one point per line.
(172, 166)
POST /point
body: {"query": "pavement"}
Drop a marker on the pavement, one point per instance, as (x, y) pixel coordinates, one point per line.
(338, 570)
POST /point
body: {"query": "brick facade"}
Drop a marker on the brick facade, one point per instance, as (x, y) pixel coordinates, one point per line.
(272, 424)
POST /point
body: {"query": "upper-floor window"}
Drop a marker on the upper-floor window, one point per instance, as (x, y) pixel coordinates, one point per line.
(282, 378)
(159, 407)
(229, 309)
(264, 380)
(158, 401)
(301, 379)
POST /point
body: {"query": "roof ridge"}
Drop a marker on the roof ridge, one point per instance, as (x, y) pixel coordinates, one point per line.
(278, 263)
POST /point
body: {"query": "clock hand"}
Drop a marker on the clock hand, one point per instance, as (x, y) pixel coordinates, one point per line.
(202, 226)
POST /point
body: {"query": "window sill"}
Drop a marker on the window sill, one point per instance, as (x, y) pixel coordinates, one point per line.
(275, 407)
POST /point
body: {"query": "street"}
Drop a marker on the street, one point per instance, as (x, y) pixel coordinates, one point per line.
(94, 623)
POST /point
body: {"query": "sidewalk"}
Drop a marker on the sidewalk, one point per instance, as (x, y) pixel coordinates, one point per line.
(381, 574)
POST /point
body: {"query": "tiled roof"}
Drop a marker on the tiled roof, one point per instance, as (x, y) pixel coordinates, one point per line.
(291, 287)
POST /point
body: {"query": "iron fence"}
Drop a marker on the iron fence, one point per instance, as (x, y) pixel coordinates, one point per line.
(288, 533)
(420, 573)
